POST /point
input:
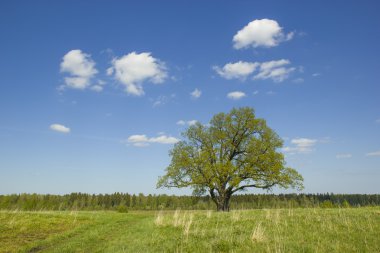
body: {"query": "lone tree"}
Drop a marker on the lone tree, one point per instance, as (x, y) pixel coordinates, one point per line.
(234, 152)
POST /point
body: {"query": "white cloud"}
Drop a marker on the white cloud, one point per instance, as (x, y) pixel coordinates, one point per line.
(196, 93)
(133, 69)
(289, 36)
(80, 67)
(141, 140)
(304, 142)
(137, 138)
(181, 122)
(163, 139)
(190, 122)
(316, 74)
(343, 156)
(60, 128)
(160, 100)
(301, 145)
(260, 33)
(255, 92)
(140, 144)
(98, 87)
(238, 70)
(375, 153)
(274, 70)
(77, 82)
(109, 71)
(290, 150)
(236, 95)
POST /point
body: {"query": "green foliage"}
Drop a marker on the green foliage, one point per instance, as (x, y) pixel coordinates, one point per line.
(346, 204)
(234, 152)
(82, 201)
(327, 204)
(122, 209)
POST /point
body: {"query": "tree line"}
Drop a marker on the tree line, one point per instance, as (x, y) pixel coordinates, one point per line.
(125, 201)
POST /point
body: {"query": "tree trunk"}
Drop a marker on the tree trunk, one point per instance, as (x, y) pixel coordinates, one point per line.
(223, 203)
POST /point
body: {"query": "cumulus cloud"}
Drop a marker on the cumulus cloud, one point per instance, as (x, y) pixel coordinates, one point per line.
(137, 138)
(236, 95)
(189, 122)
(304, 142)
(196, 93)
(99, 86)
(141, 140)
(133, 69)
(163, 139)
(343, 156)
(375, 153)
(181, 122)
(300, 145)
(275, 70)
(260, 33)
(238, 70)
(80, 68)
(192, 122)
(60, 128)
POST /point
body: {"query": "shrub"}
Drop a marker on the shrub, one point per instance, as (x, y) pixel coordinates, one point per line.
(327, 204)
(346, 204)
(122, 209)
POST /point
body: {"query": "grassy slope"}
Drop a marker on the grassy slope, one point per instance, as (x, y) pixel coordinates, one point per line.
(293, 230)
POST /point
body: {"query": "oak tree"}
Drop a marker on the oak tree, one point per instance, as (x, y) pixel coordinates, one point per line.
(235, 151)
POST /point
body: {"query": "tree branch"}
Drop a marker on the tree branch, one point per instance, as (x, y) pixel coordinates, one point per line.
(254, 185)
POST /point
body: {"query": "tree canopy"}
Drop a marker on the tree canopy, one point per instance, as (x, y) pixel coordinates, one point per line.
(233, 152)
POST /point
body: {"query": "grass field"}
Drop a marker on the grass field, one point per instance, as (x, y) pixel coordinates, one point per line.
(271, 230)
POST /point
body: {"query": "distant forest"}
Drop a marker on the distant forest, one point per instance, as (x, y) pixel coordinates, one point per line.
(125, 201)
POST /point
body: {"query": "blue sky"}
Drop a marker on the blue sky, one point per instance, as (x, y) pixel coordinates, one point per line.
(95, 93)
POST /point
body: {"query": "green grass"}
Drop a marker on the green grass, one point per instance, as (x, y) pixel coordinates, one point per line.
(271, 230)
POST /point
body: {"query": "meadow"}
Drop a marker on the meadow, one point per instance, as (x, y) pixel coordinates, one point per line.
(264, 230)
(268, 230)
